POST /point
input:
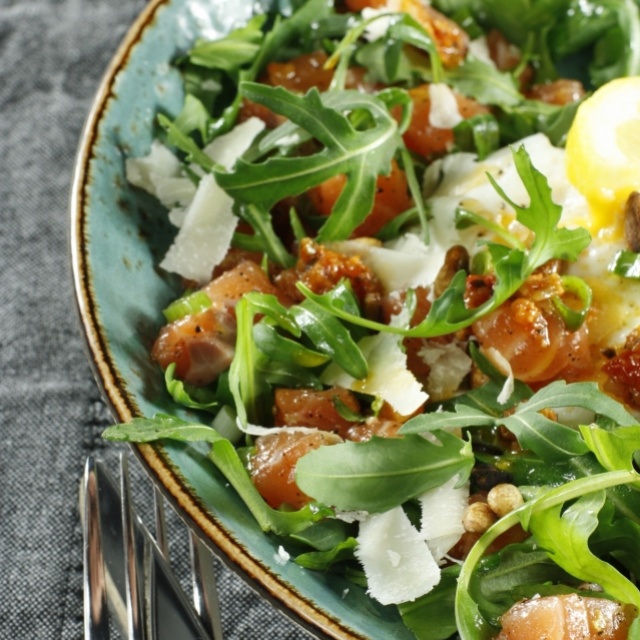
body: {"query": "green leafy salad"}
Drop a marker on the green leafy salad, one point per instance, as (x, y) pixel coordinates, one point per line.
(409, 329)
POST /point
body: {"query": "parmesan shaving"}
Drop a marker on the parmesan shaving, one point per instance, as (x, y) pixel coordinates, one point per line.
(227, 148)
(257, 430)
(160, 174)
(208, 226)
(396, 560)
(205, 236)
(449, 365)
(443, 112)
(406, 262)
(442, 511)
(502, 364)
(389, 378)
(479, 49)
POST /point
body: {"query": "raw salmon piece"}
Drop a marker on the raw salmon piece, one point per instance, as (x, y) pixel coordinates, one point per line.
(567, 617)
(312, 408)
(273, 466)
(202, 344)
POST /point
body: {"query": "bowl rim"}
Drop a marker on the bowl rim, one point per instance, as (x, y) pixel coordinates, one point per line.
(123, 408)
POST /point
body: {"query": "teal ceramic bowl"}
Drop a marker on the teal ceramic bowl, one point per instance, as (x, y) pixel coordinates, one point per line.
(117, 240)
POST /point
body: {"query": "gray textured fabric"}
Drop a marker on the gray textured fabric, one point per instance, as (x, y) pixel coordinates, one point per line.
(52, 54)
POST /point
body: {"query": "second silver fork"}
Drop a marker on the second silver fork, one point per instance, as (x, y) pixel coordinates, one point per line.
(127, 573)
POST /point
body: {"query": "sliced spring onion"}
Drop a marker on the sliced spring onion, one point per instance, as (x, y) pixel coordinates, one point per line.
(626, 264)
(573, 318)
(187, 305)
(479, 134)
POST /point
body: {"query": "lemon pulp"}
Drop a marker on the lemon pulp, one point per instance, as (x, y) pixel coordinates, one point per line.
(603, 152)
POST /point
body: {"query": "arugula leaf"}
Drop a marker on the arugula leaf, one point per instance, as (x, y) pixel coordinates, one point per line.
(618, 537)
(547, 438)
(227, 460)
(269, 242)
(159, 427)
(386, 58)
(432, 616)
(326, 534)
(479, 134)
(251, 393)
(449, 313)
(322, 560)
(182, 141)
(194, 116)
(501, 578)
(277, 347)
(331, 337)
(360, 155)
(237, 49)
(193, 397)
(542, 217)
(565, 536)
(617, 52)
(616, 450)
(472, 625)
(382, 473)
(482, 81)
(521, 18)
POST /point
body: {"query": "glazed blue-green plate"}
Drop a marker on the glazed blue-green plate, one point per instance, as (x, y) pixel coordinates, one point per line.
(117, 240)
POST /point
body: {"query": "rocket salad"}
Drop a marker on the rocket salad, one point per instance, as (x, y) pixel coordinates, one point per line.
(408, 326)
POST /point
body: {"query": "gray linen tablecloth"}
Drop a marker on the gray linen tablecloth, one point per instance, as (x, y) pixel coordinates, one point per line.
(52, 56)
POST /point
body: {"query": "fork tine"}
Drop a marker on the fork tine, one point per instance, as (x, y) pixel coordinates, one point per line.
(96, 621)
(161, 523)
(133, 581)
(205, 593)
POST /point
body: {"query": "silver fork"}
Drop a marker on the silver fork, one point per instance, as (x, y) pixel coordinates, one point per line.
(127, 573)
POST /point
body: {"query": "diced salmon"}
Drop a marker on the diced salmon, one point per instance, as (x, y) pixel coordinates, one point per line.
(202, 344)
(560, 92)
(313, 408)
(534, 340)
(321, 269)
(450, 39)
(245, 277)
(507, 57)
(373, 426)
(392, 197)
(273, 465)
(623, 371)
(422, 137)
(298, 75)
(567, 617)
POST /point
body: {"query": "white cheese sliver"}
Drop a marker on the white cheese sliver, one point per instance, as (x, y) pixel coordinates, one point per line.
(502, 364)
(443, 112)
(406, 262)
(282, 556)
(449, 365)
(396, 560)
(459, 179)
(388, 377)
(208, 226)
(257, 430)
(442, 510)
(159, 173)
(479, 49)
(227, 148)
(205, 235)
(379, 27)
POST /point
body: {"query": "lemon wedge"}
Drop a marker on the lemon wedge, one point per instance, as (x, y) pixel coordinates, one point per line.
(603, 151)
